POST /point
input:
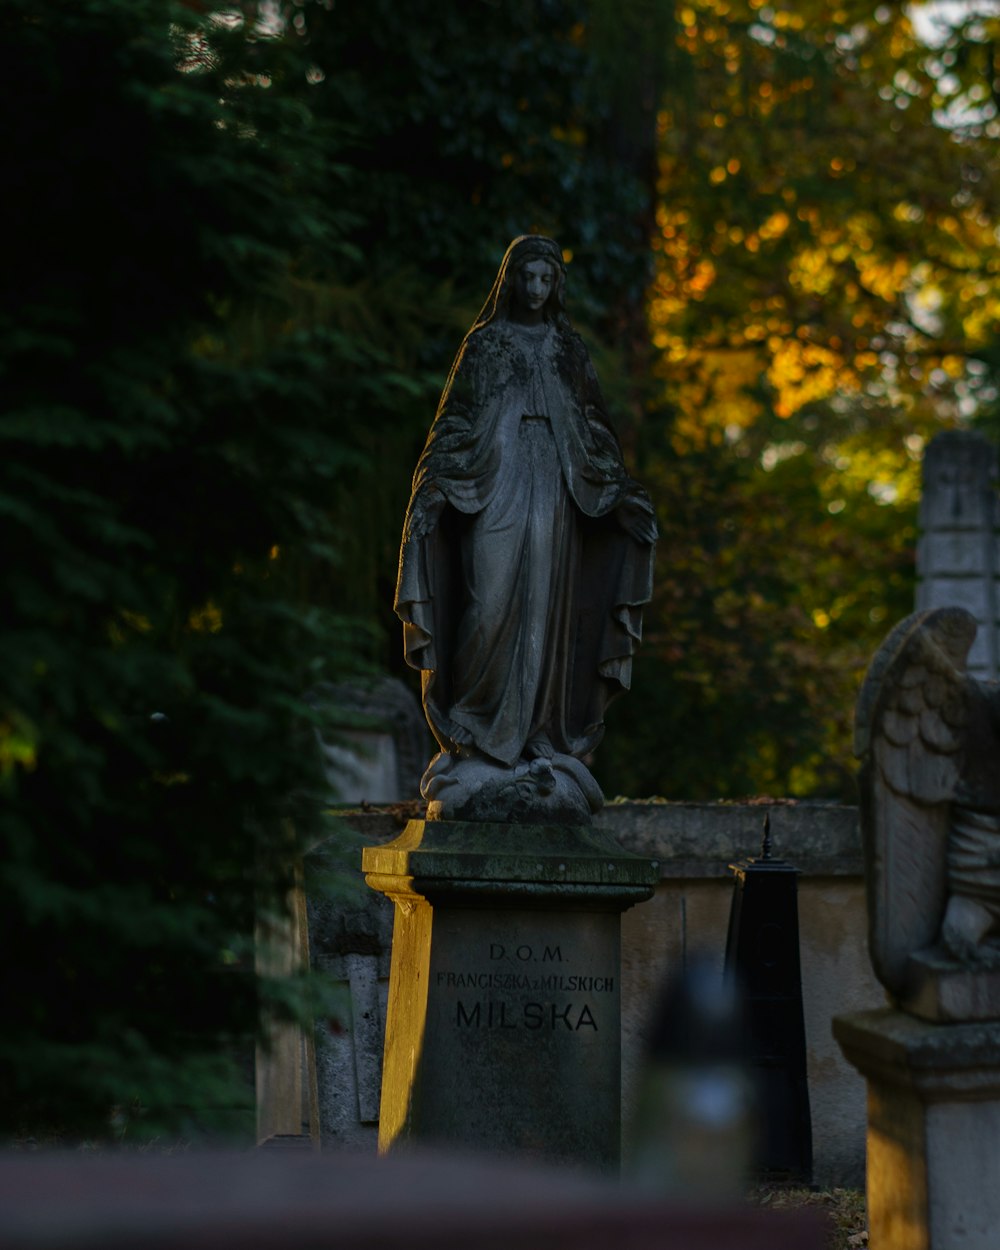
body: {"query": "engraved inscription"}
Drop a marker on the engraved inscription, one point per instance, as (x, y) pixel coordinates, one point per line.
(501, 1015)
(521, 981)
(528, 954)
(528, 986)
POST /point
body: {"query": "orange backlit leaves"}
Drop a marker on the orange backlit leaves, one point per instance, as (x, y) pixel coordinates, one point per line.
(816, 242)
(802, 373)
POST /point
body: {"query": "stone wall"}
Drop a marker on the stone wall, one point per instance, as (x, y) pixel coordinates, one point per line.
(689, 913)
(694, 844)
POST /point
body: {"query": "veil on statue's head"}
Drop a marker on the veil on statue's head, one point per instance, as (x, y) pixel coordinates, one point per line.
(525, 248)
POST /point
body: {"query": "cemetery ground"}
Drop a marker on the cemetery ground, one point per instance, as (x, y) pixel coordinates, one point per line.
(844, 1208)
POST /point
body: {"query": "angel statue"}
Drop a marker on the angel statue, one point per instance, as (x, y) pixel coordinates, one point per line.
(526, 558)
(928, 735)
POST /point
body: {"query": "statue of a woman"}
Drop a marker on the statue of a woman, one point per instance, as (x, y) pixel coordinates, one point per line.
(526, 558)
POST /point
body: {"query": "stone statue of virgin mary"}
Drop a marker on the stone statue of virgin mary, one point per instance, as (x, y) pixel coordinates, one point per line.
(526, 558)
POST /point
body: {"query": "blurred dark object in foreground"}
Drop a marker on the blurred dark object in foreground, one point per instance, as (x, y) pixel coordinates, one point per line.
(422, 1201)
(695, 1123)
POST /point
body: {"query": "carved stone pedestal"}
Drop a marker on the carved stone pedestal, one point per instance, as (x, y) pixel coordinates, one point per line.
(933, 1129)
(504, 1024)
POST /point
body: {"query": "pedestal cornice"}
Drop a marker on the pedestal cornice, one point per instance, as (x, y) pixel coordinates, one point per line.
(935, 1061)
(525, 863)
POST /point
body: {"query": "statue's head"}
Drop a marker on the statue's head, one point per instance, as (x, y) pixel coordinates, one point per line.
(533, 283)
(532, 267)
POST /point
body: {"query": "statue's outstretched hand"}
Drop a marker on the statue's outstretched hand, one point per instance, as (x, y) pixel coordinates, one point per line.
(637, 518)
(427, 507)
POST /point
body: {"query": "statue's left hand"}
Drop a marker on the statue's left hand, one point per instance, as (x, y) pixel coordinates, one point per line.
(637, 518)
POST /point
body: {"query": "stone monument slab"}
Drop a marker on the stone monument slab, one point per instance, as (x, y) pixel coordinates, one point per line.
(504, 1025)
(957, 555)
(933, 1128)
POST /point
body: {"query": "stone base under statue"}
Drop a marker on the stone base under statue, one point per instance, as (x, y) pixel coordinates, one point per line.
(933, 1128)
(944, 990)
(557, 790)
(504, 1023)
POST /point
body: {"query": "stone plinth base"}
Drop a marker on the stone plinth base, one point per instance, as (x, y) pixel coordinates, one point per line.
(933, 1129)
(941, 989)
(504, 1024)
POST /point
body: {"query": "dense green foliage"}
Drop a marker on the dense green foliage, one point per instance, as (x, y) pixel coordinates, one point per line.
(172, 436)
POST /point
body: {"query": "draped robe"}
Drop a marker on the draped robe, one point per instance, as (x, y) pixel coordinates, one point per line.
(522, 604)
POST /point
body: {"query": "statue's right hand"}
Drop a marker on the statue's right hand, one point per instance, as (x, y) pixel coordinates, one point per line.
(427, 507)
(637, 518)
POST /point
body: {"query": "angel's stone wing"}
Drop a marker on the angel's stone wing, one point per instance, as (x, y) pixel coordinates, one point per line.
(910, 734)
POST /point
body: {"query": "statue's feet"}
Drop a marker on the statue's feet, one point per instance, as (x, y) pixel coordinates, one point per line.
(464, 785)
(462, 740)
(539, 747)
(539, 778)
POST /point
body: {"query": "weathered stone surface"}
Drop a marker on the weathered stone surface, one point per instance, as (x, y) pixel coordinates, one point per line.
(521, 1033)
(959, 483)
(558, 790)
(957, 555)
(700, 840)
(527, 555)
(551, 861)
(350, 938)
(504, 1026)
(377, 752)
(943, 989)
(948, 553)
(933, 1128)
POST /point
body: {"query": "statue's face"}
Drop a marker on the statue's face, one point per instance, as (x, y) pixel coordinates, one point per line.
(533, 284)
